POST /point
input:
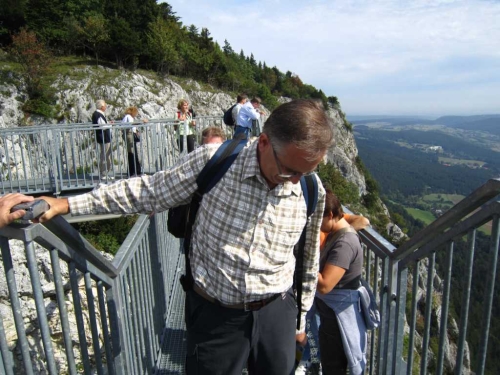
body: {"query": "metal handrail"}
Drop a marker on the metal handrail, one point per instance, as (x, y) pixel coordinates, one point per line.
(467, 205)
(61, 158)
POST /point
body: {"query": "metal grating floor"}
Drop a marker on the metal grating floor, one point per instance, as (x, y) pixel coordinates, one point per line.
(173, 351)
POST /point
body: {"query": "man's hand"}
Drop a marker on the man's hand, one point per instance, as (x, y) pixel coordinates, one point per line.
(301, 338)
(7, 202)
(58, 206)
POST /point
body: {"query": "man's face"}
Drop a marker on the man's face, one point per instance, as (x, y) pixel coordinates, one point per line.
(290, 162)
(256, 105)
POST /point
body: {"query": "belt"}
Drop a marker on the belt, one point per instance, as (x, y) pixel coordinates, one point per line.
(246, 306)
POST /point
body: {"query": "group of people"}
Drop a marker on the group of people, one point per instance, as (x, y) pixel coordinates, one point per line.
(245, 115)
(103, 137)
(241, 311)
(132, 136)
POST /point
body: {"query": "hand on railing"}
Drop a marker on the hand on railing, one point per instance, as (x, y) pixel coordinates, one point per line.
(7, 202)
(58, 206)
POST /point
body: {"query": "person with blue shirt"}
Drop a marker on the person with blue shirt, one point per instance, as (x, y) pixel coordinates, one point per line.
(248, 113)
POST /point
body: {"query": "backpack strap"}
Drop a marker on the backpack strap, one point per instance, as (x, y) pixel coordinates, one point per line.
(218, 164)
(309, 186)
(211, 173)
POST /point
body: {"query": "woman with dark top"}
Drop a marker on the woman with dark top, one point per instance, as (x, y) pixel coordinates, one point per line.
(132, 137)
(342, 333)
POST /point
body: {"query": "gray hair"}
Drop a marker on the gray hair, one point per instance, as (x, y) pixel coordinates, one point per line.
(100, 103)
(303, 123)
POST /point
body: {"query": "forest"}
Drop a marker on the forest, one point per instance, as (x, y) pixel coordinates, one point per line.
(144, 34)
(403, 172)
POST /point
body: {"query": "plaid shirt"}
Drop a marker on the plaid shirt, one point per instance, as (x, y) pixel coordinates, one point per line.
(244, 234)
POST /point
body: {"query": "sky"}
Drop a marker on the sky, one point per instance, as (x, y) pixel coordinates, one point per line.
(378, 57)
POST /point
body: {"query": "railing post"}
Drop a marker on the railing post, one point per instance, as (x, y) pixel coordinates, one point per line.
(397, 350)
(184, 138)
(55, 158)
(117, 328)
(488, 295)
(384, 326)
(392, 318)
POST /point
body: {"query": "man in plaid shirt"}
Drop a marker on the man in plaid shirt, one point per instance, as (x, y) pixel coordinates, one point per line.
(241, 311)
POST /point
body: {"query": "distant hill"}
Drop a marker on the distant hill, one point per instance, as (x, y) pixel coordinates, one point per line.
(487, 123)
(392, 120)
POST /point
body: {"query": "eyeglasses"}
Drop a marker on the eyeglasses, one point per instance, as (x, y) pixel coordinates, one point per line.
(287, 176)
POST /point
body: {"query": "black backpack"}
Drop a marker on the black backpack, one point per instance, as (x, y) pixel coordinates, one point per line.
(228, 116)
(181, 219)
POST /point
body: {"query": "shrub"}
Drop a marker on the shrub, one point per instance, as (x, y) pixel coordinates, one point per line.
(34, 59)
(107, 235)
(40, 107)
(346, 191)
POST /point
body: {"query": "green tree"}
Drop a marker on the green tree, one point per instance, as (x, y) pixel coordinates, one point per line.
(34, 59)
(228, 50)
(94, 34)
(161, 36)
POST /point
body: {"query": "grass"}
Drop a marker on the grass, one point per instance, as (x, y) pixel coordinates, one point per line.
(444, 199)
(469, 163)
(425, 216)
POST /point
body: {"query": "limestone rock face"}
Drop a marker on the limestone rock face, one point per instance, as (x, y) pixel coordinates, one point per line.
(450, 346)
(344, 152)
(156, 99)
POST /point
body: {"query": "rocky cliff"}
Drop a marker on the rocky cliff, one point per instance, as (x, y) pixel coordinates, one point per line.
(156, 99)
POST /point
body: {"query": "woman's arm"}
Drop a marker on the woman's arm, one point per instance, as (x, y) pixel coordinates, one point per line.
(329, 277)
(358, 222)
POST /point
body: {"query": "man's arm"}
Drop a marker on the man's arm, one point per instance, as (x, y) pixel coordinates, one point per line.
(311, 258)
(253, 113)
(144, 194)
(358, 222)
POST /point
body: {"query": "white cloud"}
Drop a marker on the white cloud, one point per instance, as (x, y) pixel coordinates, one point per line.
(386, 45)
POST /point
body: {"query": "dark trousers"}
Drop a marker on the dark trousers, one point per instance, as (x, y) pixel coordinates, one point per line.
(333, 358)
(134, 166)
(190, 143)
(241, 129)
(224, 341)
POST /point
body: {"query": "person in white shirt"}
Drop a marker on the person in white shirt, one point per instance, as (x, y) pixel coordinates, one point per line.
(248, 112)
(240, 101)
(132, 137)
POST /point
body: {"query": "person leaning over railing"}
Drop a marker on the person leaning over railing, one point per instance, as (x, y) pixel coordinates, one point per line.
(241, 309)
(342, 333)
(248, 112)
(304, 363)
(7, 202)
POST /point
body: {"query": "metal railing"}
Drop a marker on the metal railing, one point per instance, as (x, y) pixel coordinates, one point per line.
(65, 157)
(397, 351)
(115, 322)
